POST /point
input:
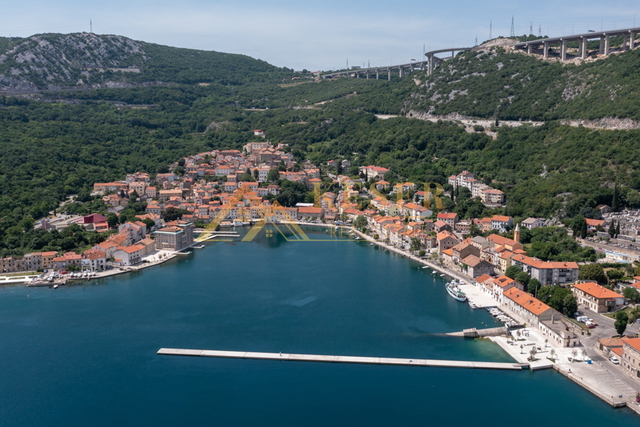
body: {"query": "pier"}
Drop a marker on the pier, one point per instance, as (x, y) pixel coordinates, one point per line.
(342, 359)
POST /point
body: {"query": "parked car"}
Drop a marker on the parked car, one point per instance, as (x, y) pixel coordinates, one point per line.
(614, 360)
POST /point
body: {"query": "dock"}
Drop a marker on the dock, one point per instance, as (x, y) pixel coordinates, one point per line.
(290, 357)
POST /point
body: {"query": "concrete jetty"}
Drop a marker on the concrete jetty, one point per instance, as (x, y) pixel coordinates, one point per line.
(479, 333)
(342, 359)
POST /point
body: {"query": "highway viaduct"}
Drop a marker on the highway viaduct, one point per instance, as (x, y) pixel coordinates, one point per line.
(429, 64)
(628, 42)
(432, 61)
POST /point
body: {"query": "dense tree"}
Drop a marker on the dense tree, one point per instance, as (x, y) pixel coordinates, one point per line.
(112, 220)
(614, 275)
(523, 278)
(171, 213)
(631, 294)
(415, 245)
(512, 271)
(534, 286)
(558, 298)
(621, 322)
(592, 272)
(570, 305)
(273, 175)
(361, 222)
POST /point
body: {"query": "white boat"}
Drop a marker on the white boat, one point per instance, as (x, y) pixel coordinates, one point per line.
(370, 244)
(55, 286)
(455, 292)
(426, 266)
(442, 275)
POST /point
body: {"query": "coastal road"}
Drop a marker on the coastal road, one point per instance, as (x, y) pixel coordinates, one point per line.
(616, 375)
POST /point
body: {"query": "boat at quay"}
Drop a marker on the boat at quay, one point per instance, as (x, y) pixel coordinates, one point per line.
(454, 291)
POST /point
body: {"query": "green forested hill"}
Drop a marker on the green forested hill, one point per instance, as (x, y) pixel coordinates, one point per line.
(52, 61)
(492, 82)
(67, 141)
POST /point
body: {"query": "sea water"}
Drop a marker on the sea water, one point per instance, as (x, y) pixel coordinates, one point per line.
(85, 355)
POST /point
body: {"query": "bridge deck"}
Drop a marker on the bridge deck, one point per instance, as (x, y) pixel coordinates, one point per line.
(341, 359)
(574, 37)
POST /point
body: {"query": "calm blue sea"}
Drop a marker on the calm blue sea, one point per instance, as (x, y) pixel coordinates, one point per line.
(85, 355)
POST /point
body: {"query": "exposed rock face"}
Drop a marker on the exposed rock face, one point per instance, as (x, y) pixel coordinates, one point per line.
(52, 61)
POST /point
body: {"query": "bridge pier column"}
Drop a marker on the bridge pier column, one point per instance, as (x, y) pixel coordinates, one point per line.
(529, 49)
(583, 48)
(625, 39)
(377, 74)
(367, 74)
(545, 49)
(430, 69)
(389, 74)
(607, 45)
(632, 40)
(601, 50)
(401, 70)
(563, 51)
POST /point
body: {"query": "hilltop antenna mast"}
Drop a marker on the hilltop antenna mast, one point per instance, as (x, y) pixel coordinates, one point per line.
(513, 33)
(90, 26)
(490, 29)
(531, 28)
(476, 40)
(539, 30)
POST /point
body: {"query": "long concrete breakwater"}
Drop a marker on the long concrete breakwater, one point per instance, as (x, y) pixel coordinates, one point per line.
(342, 359)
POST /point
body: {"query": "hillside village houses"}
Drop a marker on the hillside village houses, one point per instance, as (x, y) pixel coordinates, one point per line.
(209, 189)
(208, 186)
(487, 194)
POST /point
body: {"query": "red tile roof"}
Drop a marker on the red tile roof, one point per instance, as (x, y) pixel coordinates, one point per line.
(597, 291)
(527, 301)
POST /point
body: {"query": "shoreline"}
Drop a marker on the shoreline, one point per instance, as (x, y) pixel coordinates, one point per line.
(575, 371)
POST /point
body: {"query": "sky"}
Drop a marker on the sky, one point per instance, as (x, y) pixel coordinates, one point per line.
(317, 35)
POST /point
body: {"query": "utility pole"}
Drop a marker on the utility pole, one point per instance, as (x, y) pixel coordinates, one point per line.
(513, 32)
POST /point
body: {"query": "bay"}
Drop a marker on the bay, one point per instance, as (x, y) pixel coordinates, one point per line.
(86, 354)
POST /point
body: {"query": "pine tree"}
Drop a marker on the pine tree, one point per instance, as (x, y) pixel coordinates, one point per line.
(612, 229)
(618, 229)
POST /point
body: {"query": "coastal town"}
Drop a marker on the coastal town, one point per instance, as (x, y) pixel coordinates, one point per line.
(210, 192)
